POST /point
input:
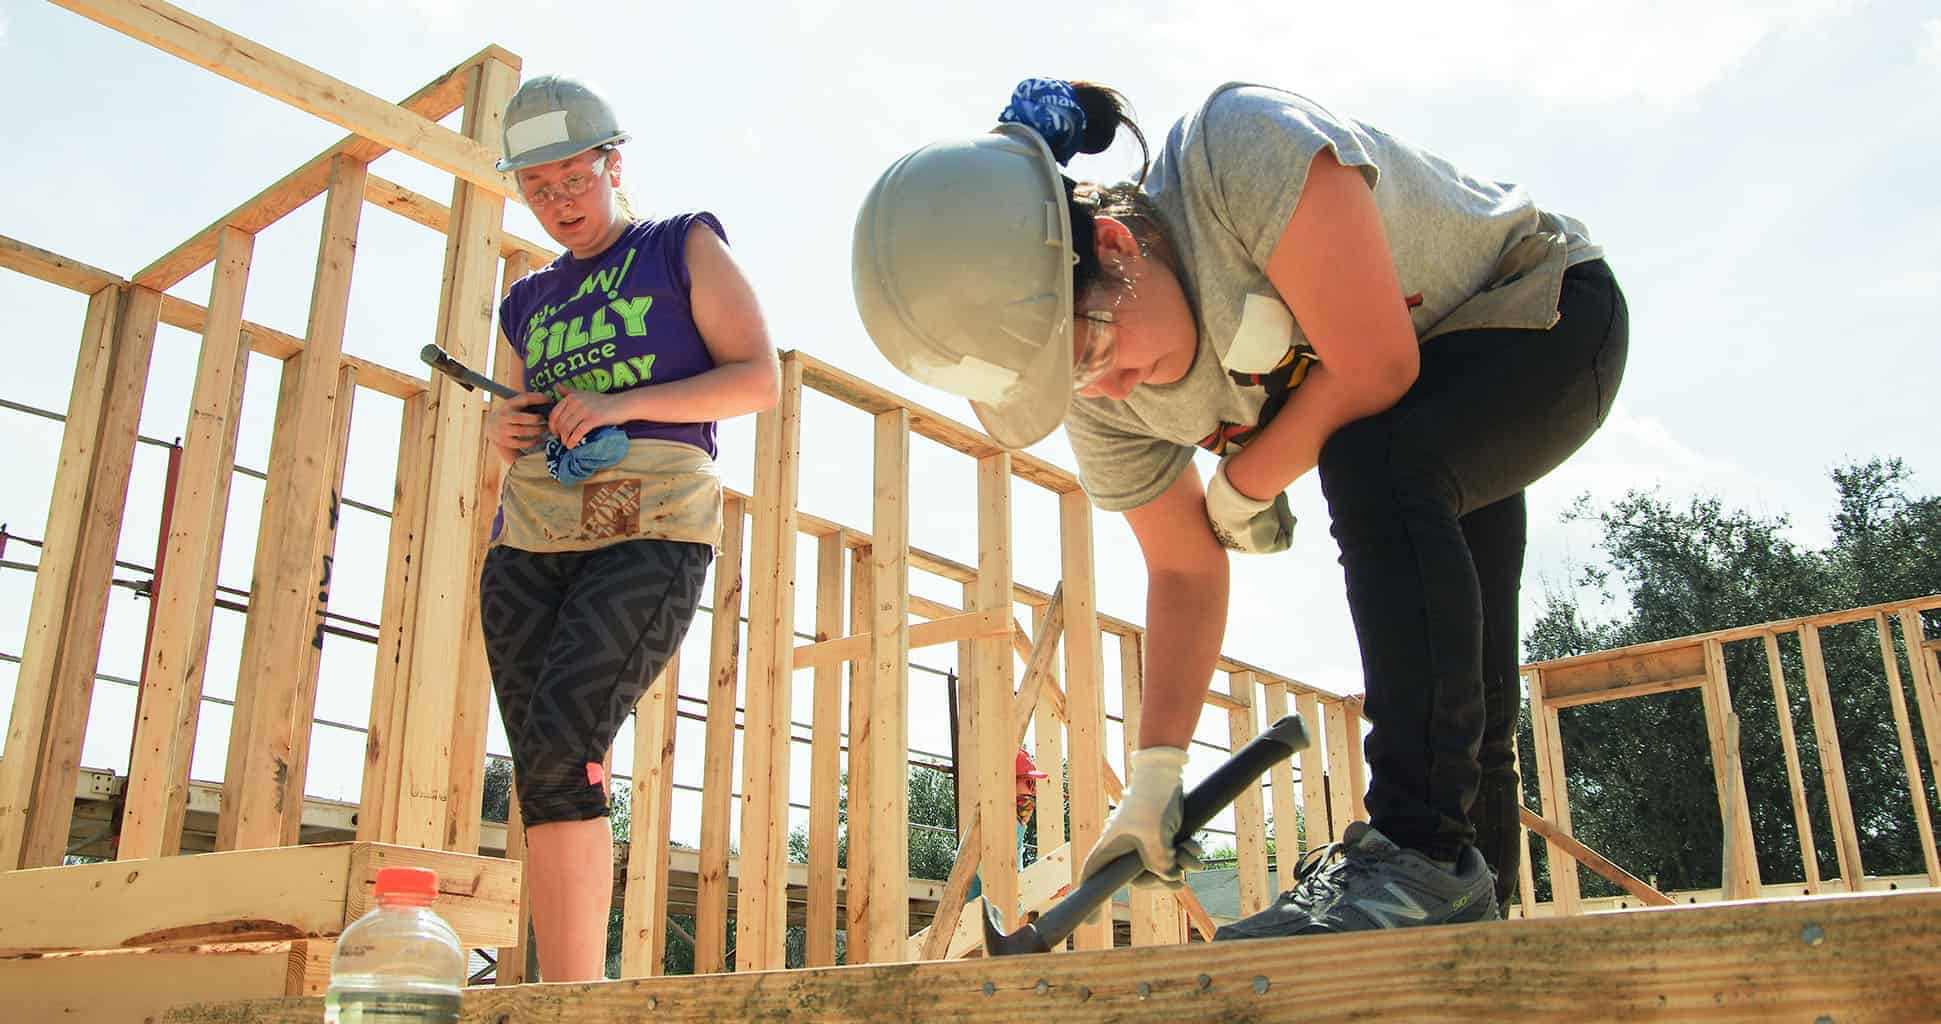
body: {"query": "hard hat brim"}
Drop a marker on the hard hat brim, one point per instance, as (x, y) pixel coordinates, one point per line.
(1045, 394)
(1042, 398)
(962, 268)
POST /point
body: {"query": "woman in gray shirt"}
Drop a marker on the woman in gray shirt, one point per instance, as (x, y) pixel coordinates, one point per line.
(1292, 291)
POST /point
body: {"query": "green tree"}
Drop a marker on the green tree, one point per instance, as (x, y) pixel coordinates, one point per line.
(496, 802)
(932, 840)
(1640, 769)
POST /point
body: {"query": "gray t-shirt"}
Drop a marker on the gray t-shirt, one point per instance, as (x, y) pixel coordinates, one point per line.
(1470, 253)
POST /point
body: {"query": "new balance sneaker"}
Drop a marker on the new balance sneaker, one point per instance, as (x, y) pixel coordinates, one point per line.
(1366, 882)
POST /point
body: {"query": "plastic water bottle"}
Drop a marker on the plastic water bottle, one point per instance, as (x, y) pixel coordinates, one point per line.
(400, 963)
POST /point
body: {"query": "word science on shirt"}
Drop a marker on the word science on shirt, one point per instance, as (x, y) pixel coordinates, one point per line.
(593, 341)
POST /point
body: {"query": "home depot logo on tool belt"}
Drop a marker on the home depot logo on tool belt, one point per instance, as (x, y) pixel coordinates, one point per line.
(666, 490)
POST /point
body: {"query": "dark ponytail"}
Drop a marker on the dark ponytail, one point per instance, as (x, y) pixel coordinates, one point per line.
(1106, 111)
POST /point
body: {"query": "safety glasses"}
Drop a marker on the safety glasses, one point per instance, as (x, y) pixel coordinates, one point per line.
(571, 186)
(1101, 348)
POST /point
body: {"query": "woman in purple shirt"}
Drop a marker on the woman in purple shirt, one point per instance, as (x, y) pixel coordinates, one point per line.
(634, 343)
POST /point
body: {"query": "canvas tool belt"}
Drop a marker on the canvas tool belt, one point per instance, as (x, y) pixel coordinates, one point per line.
(662, 490)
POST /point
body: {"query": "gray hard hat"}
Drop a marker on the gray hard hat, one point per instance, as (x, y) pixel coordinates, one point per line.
(553, 117)
(963, 275)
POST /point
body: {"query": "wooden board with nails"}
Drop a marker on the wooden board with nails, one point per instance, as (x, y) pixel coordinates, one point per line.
(1830, 956)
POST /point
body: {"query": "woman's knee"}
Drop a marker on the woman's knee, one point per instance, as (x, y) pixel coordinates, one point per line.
(557, 787)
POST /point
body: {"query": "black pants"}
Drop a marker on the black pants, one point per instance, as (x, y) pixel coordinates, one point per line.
(1427, 507)
(574, 638)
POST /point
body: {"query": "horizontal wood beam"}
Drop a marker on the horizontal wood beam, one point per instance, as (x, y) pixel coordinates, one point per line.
(242, 896)
(955, 571)
(277, 345)
(1626, 670)
(1755, 962)
(434, 101)
(962, 626)
(936, 426)
(1931, 602)
(422, 209)
(1646, 689)
(54, 268)
(140, 984)
(18, 256)
(177, 32)
(932, 609)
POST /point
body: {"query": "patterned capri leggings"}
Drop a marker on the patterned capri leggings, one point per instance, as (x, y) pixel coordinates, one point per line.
(574, 638)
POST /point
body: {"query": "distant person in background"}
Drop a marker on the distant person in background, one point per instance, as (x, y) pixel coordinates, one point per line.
(1027, 790)
(634, 342)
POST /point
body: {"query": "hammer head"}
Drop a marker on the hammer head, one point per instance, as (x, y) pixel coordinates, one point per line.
(997, 943)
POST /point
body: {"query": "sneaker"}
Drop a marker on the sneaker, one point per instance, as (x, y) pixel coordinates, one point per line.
(1365, 882)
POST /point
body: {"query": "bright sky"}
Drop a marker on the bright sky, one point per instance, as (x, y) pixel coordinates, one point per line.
(1760, 174)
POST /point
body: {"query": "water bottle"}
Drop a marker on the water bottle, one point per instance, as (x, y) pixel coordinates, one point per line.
(400, 963)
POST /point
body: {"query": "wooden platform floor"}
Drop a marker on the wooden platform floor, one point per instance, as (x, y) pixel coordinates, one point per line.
(1847, 958)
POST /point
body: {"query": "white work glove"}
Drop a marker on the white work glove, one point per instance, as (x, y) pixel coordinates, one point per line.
(1246, 524)
(1147, 820)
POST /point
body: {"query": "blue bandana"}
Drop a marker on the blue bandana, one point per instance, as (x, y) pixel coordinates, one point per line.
(596, 451)
(1049, 107)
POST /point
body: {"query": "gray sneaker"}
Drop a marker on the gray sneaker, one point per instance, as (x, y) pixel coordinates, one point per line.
(1366, 882)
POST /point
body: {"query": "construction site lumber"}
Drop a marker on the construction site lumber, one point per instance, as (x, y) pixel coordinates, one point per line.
(718, 752)
(760, 913)
(1833, 767)
(440, 97)
(1846, 958)
(138, 985)
(880, 738)
(820, 376)
(70, 604)
(825, 761)
(1591, 859)
(177, 32)
(1928, 603)
(1085, 694)
(291, 567)
(172, 676)
(1795, 779)
(243, 896)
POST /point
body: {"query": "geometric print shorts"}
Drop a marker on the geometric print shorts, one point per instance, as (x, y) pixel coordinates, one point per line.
(574, 638)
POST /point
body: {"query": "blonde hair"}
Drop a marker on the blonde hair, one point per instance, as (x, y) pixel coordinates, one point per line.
(620, 197)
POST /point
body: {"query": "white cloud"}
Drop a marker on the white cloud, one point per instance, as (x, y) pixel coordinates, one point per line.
(1930, 41)
(1635, 452)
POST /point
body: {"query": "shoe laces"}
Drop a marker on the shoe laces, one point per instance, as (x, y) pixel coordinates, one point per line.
(1324, 872)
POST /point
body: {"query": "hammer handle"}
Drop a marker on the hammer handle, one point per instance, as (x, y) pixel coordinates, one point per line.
(1282, 740)
(467, 378)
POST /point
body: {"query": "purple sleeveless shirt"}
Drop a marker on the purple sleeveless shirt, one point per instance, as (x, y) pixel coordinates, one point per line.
(618, 321)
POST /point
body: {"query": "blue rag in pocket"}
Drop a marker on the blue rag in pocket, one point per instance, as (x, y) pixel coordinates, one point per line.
(596, 451)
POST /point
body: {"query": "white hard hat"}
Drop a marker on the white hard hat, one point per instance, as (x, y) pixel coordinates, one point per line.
(963, 275)
(553, 117)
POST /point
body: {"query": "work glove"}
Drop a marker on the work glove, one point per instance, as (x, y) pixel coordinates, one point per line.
(1147, 821)
(1246, 524)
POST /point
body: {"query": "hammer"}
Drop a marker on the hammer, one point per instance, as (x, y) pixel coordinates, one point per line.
(467, 378)
(472, 380)
(1282, 740)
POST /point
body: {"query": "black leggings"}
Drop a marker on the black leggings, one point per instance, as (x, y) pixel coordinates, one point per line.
(1427, 505)
(574, 638)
